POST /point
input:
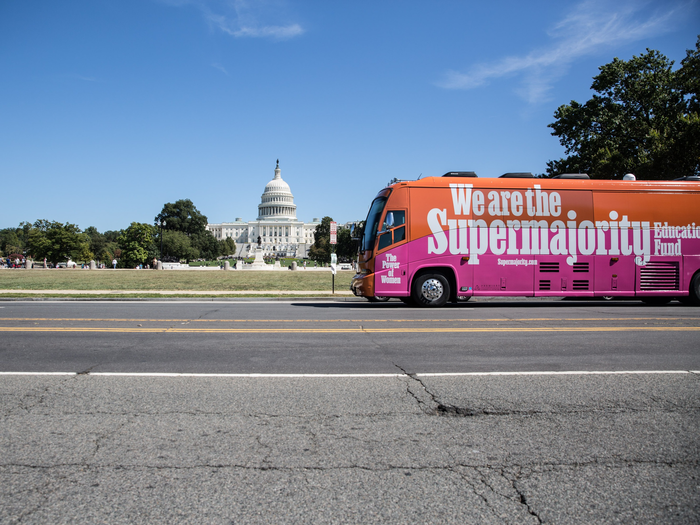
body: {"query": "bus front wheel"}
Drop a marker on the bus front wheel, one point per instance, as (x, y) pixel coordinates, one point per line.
(431, 290)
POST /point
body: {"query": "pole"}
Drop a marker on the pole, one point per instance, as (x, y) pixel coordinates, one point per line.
(334, 258)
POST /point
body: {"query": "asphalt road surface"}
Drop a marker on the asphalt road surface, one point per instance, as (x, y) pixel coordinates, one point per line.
(347, 412)
(345, 337)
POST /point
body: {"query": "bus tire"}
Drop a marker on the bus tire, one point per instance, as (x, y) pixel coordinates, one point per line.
(694, 296)
(378, 299)
(431, 290)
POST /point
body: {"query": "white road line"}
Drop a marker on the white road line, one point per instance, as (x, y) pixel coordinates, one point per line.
(175, 303)
(446, 374)
(38, 373)
(544, 373)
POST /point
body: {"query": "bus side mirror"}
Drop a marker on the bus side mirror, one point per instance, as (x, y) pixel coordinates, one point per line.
(389, 221)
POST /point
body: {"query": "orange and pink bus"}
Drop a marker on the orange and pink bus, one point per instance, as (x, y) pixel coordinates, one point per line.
(458, 236)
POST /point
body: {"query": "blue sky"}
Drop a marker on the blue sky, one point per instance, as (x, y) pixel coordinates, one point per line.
(111, 108)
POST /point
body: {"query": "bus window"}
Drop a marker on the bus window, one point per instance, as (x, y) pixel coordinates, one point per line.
(394, 229)
(372, 223)
(400, 234)
(384, 240)
(399, 218)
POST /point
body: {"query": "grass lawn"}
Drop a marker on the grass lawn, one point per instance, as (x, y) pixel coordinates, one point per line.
(172, 280)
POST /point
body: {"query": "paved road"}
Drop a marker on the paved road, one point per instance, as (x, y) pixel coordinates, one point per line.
(345, 337)
(401, 445)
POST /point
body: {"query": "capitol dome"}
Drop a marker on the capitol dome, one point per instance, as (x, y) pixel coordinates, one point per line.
(277, 201)
(276, 232)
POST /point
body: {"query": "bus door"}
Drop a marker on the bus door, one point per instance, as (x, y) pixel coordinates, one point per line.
(566, 262)
(502, 269)
(391, 261)
(615, 267)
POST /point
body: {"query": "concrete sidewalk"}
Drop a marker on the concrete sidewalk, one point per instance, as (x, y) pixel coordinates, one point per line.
(179, 292)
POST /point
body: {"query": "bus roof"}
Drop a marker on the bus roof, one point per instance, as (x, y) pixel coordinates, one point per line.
(559, 184)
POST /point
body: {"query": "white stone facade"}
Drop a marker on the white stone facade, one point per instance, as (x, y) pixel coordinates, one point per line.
(281, 234)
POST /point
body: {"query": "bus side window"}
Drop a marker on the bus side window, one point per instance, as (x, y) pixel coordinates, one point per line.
(400, 234)
(384, 240)
(399, 219)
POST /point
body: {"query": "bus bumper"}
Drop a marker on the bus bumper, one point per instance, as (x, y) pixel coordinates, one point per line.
(362, 285)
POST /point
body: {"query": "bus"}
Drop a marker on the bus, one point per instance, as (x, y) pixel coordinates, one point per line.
(458, 236)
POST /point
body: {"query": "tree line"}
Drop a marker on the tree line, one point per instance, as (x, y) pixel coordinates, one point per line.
(179, 228)
(644, 118)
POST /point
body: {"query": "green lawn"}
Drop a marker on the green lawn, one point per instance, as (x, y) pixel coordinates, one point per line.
(175, 280)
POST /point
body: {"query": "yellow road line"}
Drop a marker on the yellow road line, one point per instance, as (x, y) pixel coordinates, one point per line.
(445, 320)
(352, 330)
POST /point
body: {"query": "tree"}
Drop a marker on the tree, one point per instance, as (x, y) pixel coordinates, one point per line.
(57, 242)
(13, 240)
(643, 119)
(320, 251)
(138, 245)
(346, 247)
(688, 77)
(178, 245)
(182, 216)
(98, 244)
(227, 246)
(207, 245)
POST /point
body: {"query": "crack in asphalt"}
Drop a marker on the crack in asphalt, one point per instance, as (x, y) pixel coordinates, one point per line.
(430, 404)
(38, 397)
(521, 494)
(535, 468)
(436, 407)
(476, 478)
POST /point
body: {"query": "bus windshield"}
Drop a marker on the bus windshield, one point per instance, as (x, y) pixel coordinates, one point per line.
(372, 223)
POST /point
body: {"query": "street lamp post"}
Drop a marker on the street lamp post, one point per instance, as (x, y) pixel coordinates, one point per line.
(161, 223)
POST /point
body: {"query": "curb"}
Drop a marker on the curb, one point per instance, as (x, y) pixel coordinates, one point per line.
(183, 299)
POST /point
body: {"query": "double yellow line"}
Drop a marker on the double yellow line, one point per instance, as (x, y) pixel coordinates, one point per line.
(358, 330)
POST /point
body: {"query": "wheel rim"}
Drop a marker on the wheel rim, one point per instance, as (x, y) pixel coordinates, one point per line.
(432, 289)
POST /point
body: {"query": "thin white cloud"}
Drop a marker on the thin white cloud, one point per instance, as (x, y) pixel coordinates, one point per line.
(276, 32)
(244, 18)
(591, 26)
(220, 68)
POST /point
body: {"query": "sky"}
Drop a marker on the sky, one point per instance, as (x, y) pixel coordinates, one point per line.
(111, 108)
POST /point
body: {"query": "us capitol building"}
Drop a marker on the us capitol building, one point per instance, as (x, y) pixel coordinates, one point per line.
(281, 234)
